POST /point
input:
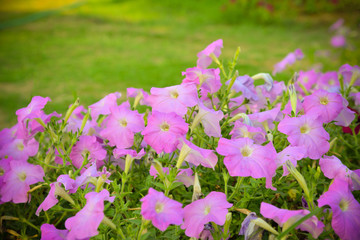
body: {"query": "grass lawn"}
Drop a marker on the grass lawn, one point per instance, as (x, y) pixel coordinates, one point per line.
(106, 46)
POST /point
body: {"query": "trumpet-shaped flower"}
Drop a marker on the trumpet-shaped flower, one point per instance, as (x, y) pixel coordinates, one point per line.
(245, 158)
(87, 145)
(196, 155)
(18, 180)
(174, 99)
(293, 154)
(49, 231)
(346, 210)
(204, 59)
(104, 105)
(286, 218)
(308, 132)
(210, 119)
(121, 125)
(213, 208)
(20, 149)
(325, 105)
(307, 80)
(33, 110)
(347, 71)
(332, 168)
(242, 130)
(86, 222)
(164, 130)
(245, 84)
(290, 59)
(208, 80)
(185, 175)
(161, 210)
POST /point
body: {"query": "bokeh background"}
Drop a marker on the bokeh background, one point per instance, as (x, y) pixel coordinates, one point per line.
(68, 48)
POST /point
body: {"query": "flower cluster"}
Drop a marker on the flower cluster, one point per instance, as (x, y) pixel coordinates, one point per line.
(192, 160)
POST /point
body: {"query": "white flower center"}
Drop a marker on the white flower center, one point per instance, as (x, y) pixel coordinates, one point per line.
(174, 94)
(246, 151)
(164, 127)
(304, 129)
(207, 210)
(123, 122)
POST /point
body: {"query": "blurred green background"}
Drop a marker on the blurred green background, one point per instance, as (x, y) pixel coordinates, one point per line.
(66, 49)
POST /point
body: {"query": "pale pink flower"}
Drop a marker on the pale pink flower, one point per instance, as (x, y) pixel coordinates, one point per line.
(208, 80)
(18, 180)
(121, 125)
(103, 106)
(174, 99)
(288, 217)
(185, 175)
(338, 41)
(293, 154)
(86, 222)
(20, 149)
(210, 119)
(308, 80)
(164, 130)
(213, 208)
(161, 210)
(50, 232)
(204, 59)
(33, 110)
(290, 59)
(242, 130)
(245, 158)
(245, 85)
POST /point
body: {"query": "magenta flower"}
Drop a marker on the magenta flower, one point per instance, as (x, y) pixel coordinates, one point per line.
(20, 149)
(174, 99)
(308, 132)
(208, 80)
(87, 145)
(338, 41)
(307, 79)
(346, 115)
(50, 199)
(18, 180)
(164, 130)
(333, 168)
(323, 104)
(204, 59)
(266, 119)
(121, 125)
(293, 154)
(210, 119)
(242, 130)
(213, 208)
(33, 110)
(4, 168)
(197, 155)
(290, 59)
(86, 222)
(161, 210)
(49, 231)
(244, 158)
(346, 210)
(103, 106)
(329, 81)
(288, 217)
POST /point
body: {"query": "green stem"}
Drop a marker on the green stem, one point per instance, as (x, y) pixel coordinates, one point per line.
(237, 186)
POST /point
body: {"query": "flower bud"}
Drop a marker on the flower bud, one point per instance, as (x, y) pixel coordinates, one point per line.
(245, 118)
(261, 223)
(185, 150)
(128, 161)
(59, 191)
(269, 82)
(293, 97)
(71, 109)
(299, 178)
(197, 189)
(157, 165)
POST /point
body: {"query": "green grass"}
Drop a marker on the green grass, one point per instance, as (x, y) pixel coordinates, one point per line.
(107, 46)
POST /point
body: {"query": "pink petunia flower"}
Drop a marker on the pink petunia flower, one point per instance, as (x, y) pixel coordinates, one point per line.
(345, 208)
(197, 155)
(329, 81)
(4, 168)
(20, 149)
(138, 93)
(308, 132)
(338, 41)
(213, 208)
(245, 85)
(245, 158)
(121, 125)
(323, 104)
(164, 130)
(174, 99)
(86, 222)
(33, 110)
(18, 180)
(161, 210)
(104, 105)
(347, 71)
(242, 130)
(333, 168)
(87, 145)
(204, 59)
(210, 119)
(288, 217)
(293, 154)
(307, 79)
(49, 231)
(208, 80)
(290, 59)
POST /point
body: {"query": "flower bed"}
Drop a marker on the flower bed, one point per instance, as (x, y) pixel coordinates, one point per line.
(219, 155)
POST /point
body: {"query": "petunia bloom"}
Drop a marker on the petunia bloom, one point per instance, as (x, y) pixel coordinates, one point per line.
(306, 131)
(20, 149)
(185, 175)
(346, 210)
(86, 222)
(213, 208)
(208, 80)
(87, 145)
(103, 106)
(18, 180)
(290, 59)
(49, 231)
(121, 125)
(245, 158)
(285, 217)
(293, 154)
(204, 59)
(164, 130)
(210, 119)
(174, 99)
(161, 210)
